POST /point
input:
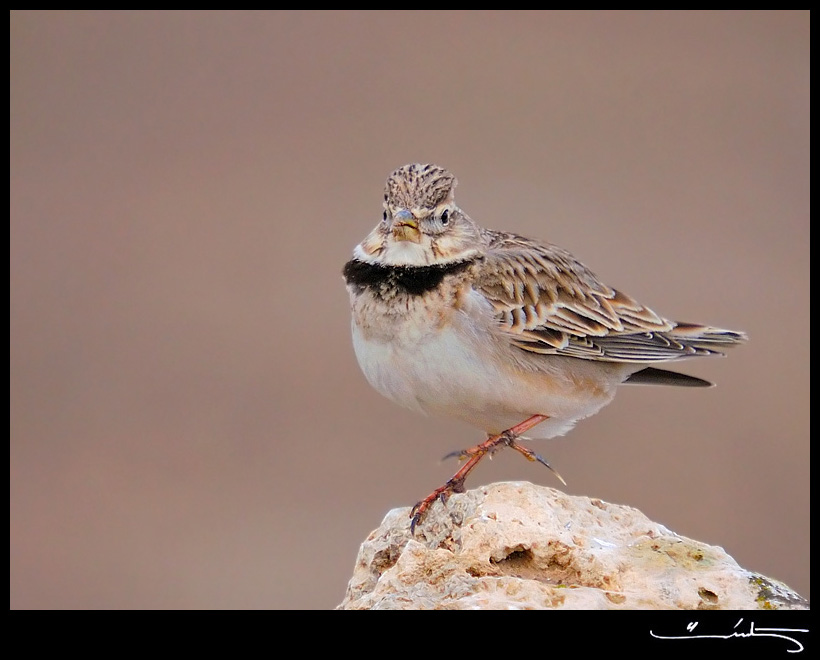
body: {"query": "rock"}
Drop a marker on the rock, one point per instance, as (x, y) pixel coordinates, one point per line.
(515, 545)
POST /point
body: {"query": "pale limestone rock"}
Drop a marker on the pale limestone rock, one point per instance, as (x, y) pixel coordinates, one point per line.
(520, 546)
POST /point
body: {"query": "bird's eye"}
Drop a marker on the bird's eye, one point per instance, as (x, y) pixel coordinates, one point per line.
(445, 217)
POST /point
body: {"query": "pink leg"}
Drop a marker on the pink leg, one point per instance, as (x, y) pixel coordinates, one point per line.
(475, 454)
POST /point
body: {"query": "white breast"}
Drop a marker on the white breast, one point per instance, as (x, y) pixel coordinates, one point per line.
(455, 369)
(423, 371)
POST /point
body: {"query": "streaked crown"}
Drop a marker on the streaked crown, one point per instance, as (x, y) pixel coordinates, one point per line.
(419, 186)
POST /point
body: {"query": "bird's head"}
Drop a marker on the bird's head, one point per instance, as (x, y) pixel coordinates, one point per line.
(421, 224)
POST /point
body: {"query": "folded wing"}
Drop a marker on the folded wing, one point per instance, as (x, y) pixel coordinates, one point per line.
(548, 302)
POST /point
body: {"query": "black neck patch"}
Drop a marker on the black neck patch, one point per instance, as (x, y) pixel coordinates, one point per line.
(414, 280)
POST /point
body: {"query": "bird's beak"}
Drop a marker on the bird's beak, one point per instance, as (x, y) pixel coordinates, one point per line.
(406, 229)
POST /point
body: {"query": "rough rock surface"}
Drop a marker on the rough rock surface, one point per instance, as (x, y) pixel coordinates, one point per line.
(519, 546)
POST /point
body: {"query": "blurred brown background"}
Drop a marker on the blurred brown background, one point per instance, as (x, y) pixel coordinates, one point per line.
(189, 427)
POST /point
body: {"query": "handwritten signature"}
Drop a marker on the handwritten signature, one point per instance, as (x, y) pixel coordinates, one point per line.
(752, 632)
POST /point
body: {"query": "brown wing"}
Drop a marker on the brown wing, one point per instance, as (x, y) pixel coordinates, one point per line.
(548, 302)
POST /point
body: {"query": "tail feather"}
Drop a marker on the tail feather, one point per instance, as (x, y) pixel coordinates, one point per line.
(653, 376)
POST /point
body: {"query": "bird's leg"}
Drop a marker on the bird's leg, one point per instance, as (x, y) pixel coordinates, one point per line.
(474, 454)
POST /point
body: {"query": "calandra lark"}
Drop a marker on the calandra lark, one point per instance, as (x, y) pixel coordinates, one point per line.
(500, 331)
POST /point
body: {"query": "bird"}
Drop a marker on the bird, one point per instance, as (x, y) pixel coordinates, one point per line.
(509, 334)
